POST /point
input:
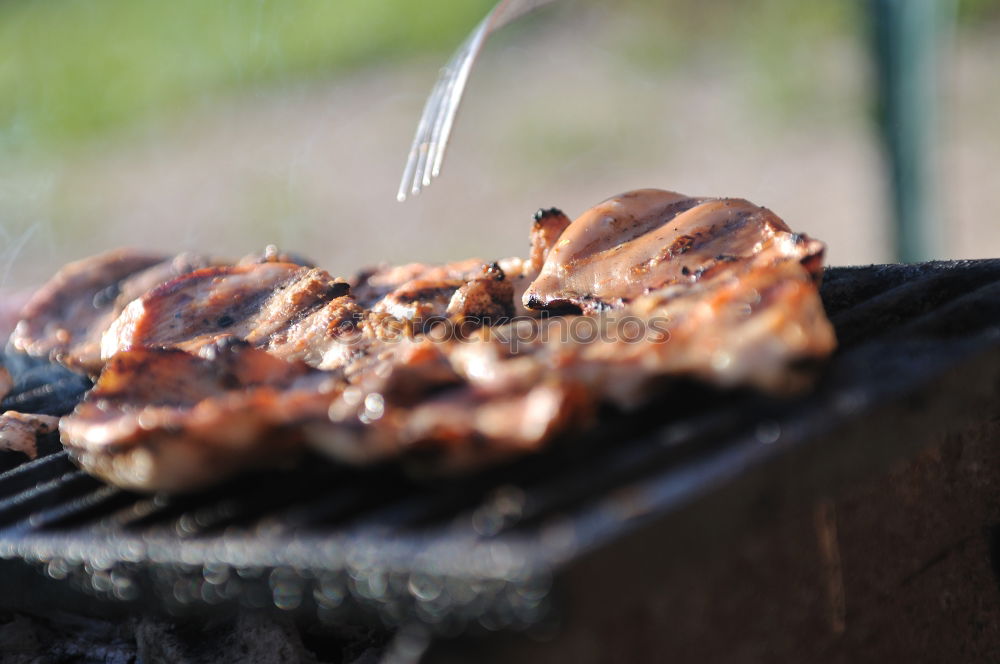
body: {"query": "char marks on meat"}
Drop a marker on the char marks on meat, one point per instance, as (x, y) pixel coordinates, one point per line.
(649, 239)
(460, 364)
(253, 302)
(66, 318)
(167, 419)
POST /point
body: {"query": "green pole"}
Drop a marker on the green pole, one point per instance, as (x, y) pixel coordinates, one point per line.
(908, 37)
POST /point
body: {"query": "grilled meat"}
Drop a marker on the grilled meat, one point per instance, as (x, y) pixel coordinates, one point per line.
(465, 363)
(254, 302)
(743, 313)
(422, 404)
(516, 386)
(19, 432)
(391, 286)
(648, 239)
(65, 319)
(167, 419)
(305, 314)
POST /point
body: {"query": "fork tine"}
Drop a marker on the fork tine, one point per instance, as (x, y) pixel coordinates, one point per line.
(453, 97)
(438, 118)
(461, 67)
(419, 141)
(432, 111)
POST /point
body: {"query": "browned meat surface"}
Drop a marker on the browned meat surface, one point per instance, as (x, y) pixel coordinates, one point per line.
(421, 404)
(516, 386)
(545, 232)
(327, 337)
(373, 286)
(305, 314)
(57, 321)
(420, 362)
(487, 299)
(253, 302)
(65, 319)
(745, 315)
(19, 432)
(166, 419)
(645, 240)
(417, 292)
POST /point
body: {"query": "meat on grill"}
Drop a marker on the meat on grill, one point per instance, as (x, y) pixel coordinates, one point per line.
(734, 313)
(642, 241)
(462, 364)
(304, 314)
(19, 432)
(168, 420)
(252, 302)
(65, 319)
(520, 384)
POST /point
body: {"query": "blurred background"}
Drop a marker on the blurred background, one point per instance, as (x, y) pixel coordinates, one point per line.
(224, 126)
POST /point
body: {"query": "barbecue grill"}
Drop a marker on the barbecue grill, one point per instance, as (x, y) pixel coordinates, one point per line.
(711, 522)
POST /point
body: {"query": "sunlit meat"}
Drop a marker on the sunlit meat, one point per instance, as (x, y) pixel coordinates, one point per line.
(65, 319)
(746, 312)
(402, 284)
(305, 314)
(19, 432)
(235, 366)
(252, 302)
(167, 419)
(645, 240)
(520, 385)
(422, 407)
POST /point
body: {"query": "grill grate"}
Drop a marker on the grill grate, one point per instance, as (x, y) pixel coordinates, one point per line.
(338, 545)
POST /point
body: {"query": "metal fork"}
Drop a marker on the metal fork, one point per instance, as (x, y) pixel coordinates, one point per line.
(434, 129)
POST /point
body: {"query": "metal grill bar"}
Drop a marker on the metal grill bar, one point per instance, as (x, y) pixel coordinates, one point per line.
(22, 506)
(29, 475)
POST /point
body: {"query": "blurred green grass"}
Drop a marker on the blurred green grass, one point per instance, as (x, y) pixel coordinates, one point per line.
(73, 69)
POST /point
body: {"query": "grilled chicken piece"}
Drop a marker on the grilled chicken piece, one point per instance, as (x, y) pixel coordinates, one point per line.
(546, 229)
(164, 419)
(425, 294)
(58, 320)
(647, 239)
(19, 432)
(488, 299)
(430, 292)
(293, 312)
(252, 302)
(371, 287)
(64, 320)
